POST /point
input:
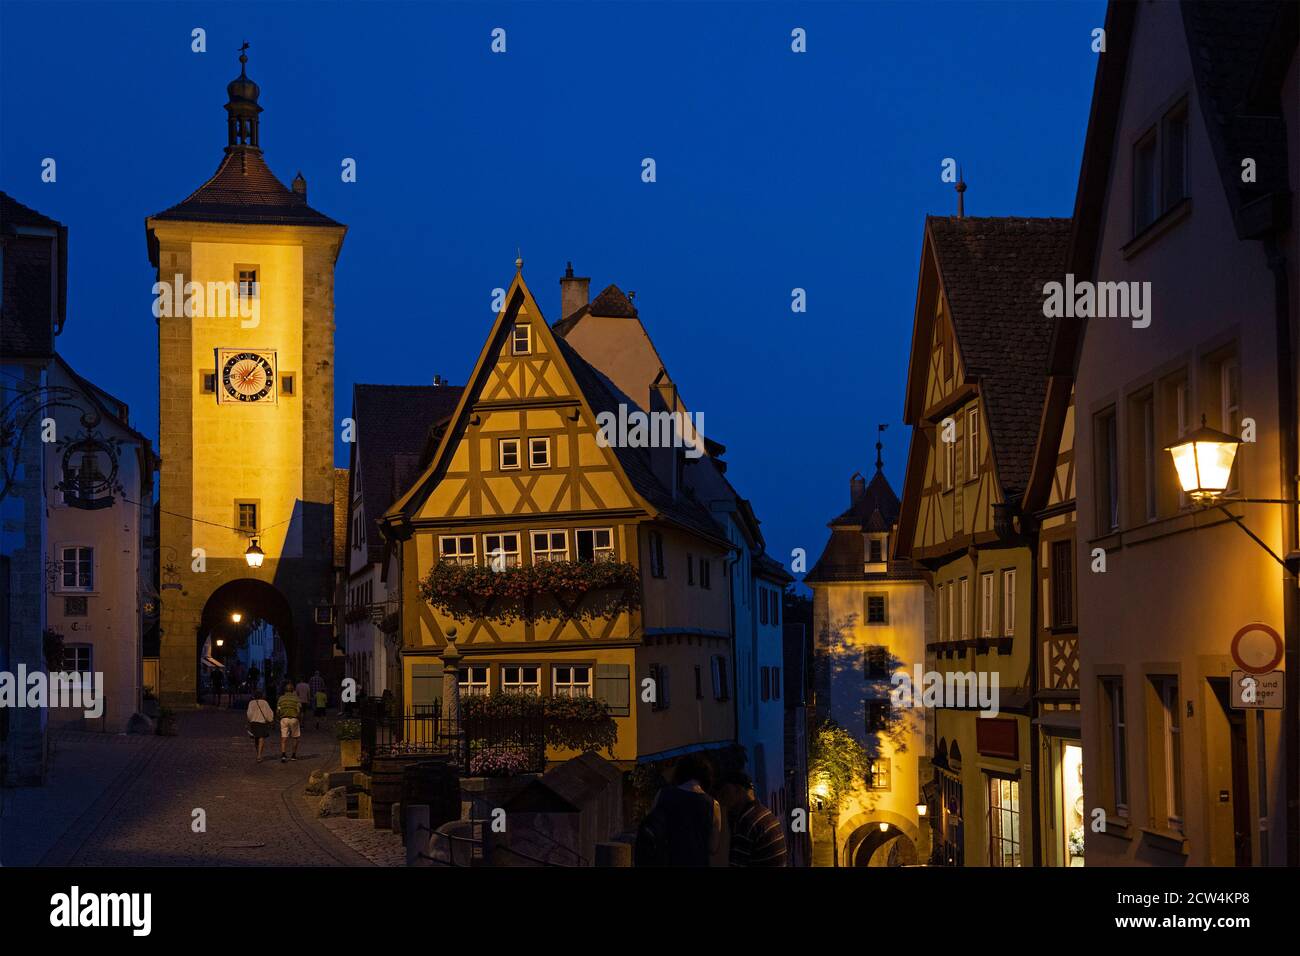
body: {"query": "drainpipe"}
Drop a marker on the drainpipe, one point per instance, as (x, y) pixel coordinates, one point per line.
(1035, 731)
(1289, 459)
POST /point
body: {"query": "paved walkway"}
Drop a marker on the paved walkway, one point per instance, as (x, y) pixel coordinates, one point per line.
(130, 801)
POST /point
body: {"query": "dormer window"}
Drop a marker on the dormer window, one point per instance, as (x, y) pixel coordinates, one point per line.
(876, 551)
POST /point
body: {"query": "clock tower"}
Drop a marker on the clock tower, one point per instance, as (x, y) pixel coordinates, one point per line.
(245, 309)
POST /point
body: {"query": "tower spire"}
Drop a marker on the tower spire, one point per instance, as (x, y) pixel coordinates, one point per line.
(880, 433)
(961, 191)
(242, 109)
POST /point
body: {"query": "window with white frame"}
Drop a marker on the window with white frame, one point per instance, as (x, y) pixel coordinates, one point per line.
(508, 454)
(539, 452)
(501, 550)
(1004, 821)
(473, 680)
(986, 604)
(1009, 602)
(597, 544)
(456, 549)
(965, 608)
(1167, 696)
(78, 566)
(550, 546)
(521, 679)
(521, 342)
(952, 613)
(571, 680)
(949, 461)
(972, 443)
(1115, 742)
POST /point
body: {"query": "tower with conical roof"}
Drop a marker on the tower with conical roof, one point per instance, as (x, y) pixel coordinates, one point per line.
(245, 312)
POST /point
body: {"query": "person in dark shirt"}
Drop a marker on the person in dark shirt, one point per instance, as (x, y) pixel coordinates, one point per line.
(757, 837)
(684, 825)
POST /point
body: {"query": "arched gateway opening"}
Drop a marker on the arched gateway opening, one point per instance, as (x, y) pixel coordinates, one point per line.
(246, 633)
(871, 846)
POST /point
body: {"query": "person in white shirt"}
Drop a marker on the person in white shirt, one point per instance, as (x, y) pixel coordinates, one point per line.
(261, 718)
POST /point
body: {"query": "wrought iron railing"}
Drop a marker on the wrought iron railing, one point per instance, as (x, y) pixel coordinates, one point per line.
(517, 740)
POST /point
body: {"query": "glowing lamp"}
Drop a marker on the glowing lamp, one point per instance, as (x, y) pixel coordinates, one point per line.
(884, 828)
(922, 809)
(1203, 460)
(254, 555)
(236, 616)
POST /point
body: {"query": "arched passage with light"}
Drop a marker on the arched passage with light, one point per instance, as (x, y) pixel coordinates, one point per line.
(255, 602)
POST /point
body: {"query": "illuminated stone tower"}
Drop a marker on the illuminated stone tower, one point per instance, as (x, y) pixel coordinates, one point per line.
(246, 385)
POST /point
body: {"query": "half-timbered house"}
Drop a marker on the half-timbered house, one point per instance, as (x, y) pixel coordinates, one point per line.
(976, 384)
(523, 478)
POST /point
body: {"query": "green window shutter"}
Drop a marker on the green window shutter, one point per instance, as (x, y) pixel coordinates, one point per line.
(426, 684)
(612, 687)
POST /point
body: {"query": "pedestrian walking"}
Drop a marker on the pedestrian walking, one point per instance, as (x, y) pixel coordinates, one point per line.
(317, 684)
(217, 683)
(260, 721)
(303, 691)
(289, 709)
(757, 837)
(684, 825)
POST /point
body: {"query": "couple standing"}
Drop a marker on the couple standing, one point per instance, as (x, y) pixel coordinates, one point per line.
(288, 710)
(684, 826)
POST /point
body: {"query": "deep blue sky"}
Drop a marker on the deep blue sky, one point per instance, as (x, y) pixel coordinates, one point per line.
(775, 170)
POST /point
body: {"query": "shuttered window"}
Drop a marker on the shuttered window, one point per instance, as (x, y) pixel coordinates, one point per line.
(612, 687)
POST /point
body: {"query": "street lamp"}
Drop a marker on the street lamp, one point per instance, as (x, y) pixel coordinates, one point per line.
(220, 642)
(922, 808)
(1203, 460)
(236, 617)
(884, 828)
(254, 555)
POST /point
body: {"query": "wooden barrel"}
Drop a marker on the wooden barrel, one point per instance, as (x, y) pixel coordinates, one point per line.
(386, 774)
(436, 784)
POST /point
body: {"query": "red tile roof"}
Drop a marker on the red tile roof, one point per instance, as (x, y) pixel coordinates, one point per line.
(243, 189)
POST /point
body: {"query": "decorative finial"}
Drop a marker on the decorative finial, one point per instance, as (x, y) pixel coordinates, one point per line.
(519, 260)
(243, 57)
(880, 432)
(961, 201)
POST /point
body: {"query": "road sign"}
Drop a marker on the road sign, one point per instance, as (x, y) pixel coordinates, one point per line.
(1257, 648)
(1257, 691)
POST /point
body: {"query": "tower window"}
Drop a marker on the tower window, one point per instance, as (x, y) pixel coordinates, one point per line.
(877, 551)
(209, 380)
(286, 384)
(248, 285)
(246, 516)
(876, 609)
(522, 340)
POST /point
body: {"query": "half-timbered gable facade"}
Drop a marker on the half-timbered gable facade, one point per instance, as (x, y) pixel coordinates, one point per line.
(1049, 503)
(522, 477)
(976, 384)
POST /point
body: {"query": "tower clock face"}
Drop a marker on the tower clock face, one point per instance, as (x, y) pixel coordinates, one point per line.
(246, 376)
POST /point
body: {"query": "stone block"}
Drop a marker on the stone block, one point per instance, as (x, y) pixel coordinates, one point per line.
(334, 803)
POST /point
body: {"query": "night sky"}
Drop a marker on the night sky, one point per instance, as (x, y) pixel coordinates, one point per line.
(775, 170)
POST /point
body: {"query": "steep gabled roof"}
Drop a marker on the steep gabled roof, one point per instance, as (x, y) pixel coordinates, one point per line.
(32, 308)
(599, 393)
(393, 423)
(993, 271)
(244, 190)
(612, 303)
(874, 509)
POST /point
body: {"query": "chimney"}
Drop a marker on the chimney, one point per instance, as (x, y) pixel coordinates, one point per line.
(575, 292)
(437, 380)
(300, 185)
(857, 488)
(664, 461)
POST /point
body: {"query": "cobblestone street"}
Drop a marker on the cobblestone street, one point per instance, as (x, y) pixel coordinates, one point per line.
(130, 801)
